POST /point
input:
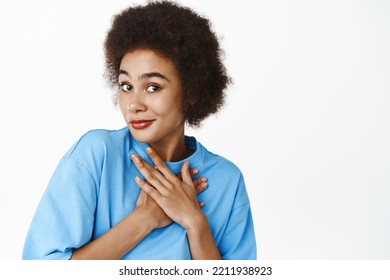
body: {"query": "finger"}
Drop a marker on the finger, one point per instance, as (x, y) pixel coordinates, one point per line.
(161, 166)
(147, 188)
(157, 173)
(200, 187)
(199, 180)
(141, 198)
(193, 172)
(150, 174)
(201, 204)
(185, 174)
(160, 177)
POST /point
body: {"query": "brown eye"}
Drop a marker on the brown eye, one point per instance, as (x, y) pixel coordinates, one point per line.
(152, 88)
(126, 87)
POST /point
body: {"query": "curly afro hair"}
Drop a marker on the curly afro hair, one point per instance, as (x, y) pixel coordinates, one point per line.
(182, 36)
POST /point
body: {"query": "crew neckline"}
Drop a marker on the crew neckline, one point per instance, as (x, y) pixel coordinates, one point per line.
(175, 166)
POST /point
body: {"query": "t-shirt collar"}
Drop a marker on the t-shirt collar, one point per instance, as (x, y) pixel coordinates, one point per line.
(191, 143)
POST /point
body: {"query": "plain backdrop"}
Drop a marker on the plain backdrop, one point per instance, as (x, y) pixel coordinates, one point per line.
(307, 119)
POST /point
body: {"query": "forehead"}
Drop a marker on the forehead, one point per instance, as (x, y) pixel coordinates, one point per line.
(145, 60)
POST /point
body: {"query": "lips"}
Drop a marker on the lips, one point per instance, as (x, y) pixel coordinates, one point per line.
(140, 124)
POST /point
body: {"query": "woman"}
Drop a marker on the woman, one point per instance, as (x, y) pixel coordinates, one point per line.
(130, 193)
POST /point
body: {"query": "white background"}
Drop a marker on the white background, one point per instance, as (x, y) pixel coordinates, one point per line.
(307, 119)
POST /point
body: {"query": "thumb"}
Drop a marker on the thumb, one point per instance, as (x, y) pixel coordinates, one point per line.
(141, 199)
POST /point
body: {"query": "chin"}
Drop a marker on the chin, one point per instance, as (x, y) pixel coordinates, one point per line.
(141, 136)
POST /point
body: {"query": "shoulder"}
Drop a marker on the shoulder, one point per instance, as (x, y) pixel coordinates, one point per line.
(225, 179)
(98, 142)
(219, 163)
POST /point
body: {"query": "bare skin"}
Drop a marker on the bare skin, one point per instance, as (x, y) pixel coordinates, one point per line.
(124, 236)
(177, 198)
(150, 93)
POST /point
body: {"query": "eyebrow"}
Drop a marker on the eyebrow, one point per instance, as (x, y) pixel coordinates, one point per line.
(147, 75)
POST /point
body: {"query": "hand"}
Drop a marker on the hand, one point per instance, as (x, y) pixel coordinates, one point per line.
(176, 197)
(145, 202)
(161, 219)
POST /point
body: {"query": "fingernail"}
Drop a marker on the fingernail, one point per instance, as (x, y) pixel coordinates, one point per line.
(203, 179)
(149, 150)
(195, 171)
(135, 158)
(137, 179)
(203, 185)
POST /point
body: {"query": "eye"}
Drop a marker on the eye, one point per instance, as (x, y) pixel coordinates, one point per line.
(125, 87)
(152, 88)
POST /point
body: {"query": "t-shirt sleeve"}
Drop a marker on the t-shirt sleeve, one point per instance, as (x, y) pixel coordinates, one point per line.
(64, 218)
(238, 241)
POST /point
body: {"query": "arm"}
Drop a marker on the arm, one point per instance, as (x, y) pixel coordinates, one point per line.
(238, 240)
(202, 244)
(177, 198)
(124, 236)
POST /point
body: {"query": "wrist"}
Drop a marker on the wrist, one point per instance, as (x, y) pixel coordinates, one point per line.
(197, 224)
(146, 219)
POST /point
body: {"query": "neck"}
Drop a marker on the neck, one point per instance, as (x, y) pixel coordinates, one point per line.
(173, 148)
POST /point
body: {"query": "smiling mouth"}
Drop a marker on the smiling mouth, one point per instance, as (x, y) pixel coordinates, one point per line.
(140, 124)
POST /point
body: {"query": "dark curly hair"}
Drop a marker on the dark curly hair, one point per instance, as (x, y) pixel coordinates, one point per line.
(182, 36)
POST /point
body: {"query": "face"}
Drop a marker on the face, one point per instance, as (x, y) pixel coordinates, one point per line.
(150, 97)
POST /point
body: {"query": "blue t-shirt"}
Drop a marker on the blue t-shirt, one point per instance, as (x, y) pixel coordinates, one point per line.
(93, 189)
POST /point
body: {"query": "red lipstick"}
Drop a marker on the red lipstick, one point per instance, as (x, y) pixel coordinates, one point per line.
(140, 124)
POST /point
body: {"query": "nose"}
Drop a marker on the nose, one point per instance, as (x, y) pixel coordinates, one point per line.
(135, 103)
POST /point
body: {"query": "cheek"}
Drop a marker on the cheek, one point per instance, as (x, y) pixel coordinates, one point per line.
(167, 107)
(161, 106)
